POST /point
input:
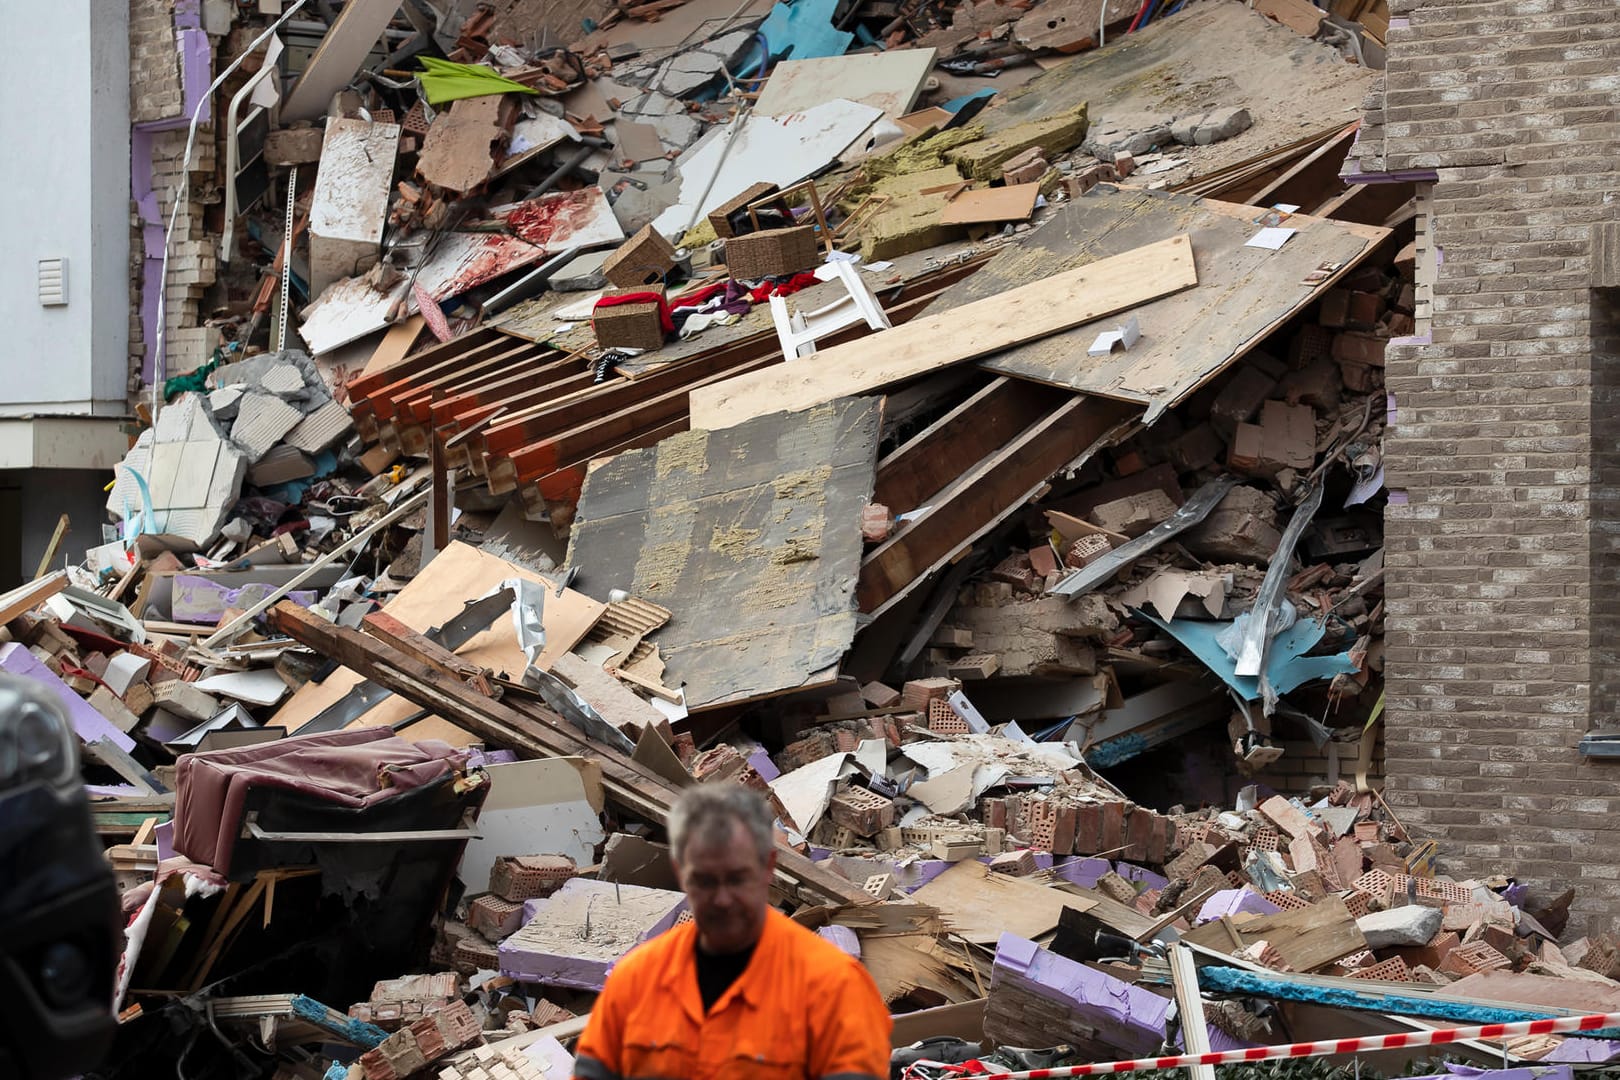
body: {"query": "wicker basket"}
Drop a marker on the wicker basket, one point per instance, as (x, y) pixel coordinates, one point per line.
(721, 216)
(772, 252)
(642, 260)
(629, 326)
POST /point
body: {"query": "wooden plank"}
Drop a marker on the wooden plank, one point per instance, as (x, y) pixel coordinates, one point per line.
(366, 383)
(400, 382)
(984, 497)
(1306, 938)
(395, 346)
(978, 905)
(614, 702)
(1301, 16)
(751, 534)
(25, 598)
(954, 443)
(591, 436)
(548, 736)
(1015, 316)
(493, 360)
(1314, 179)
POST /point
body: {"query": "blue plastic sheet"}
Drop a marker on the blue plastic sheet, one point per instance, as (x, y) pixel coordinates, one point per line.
(1287, 666)
(803, 30)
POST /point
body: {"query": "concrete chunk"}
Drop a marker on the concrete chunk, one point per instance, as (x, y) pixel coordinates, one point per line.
(350, 206)
(1414, 926)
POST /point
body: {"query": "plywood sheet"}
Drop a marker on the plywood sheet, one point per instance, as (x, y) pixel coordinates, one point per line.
(978, 905)
(750, 536)
(1187, 337)
(1014, 202)
(890, 81)
(1040, 306)
(456, 575)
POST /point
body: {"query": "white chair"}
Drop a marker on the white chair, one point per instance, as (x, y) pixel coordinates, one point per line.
(798, 332)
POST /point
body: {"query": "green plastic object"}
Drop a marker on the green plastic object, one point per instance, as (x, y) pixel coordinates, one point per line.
(445, 80)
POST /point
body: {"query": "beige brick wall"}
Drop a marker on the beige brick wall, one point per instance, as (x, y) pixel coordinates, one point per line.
(1503, 597)
(154, 62)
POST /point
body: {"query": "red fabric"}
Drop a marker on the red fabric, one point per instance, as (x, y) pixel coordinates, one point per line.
(664, 320)
(700, 296)
(785, 288)
(347, 768)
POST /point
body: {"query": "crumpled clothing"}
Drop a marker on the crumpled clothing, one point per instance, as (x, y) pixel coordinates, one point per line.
(724, 297)
(786, 285)
(699, 321)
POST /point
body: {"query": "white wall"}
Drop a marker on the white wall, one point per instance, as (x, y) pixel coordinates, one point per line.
(64, 79)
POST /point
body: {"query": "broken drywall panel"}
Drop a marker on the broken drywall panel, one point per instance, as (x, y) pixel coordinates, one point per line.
(546, 807)
(1190, 336)
(350, 205)
(574, 937)
(531, 230)
(777, 150)
(806, 791)
(1037, 996)
(751, 534)
(889, 81)
(87, 723)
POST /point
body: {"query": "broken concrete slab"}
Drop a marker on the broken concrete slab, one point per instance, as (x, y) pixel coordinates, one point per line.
(1202, 129)
(1413, 925)
(574, 937)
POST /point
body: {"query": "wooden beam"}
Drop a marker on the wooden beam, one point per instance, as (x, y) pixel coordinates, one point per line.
(564, 485)
(983, 497)
(1367, 204)
(932, 342)
(1314, 179)
(25, 598)
(340, 55)
(536, 731)
(364, 385)
(943, 451)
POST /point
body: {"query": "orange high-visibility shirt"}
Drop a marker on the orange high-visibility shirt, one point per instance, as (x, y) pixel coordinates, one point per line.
(802, 1010)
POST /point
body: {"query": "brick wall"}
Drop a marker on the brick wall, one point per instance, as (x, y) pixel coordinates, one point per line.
(1502, 591)
(154, 62)
(156, 94)
(1303, 766)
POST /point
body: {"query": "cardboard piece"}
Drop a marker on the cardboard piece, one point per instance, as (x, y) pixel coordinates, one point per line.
(994, 204)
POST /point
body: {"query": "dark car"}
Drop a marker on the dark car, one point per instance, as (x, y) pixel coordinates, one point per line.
(60, 930)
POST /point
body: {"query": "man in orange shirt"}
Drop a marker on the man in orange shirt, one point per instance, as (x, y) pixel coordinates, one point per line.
(741, 992)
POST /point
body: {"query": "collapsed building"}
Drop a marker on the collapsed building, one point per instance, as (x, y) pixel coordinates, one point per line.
(548, 410)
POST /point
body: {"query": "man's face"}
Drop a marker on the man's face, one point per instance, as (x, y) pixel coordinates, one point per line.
(729, 888)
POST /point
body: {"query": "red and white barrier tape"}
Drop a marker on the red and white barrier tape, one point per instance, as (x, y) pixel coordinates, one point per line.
(1552, 1025)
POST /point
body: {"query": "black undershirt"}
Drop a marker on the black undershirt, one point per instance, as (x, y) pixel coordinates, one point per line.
(717, 971)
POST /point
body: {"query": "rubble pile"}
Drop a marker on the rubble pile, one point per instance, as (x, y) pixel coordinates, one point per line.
(986, 468)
